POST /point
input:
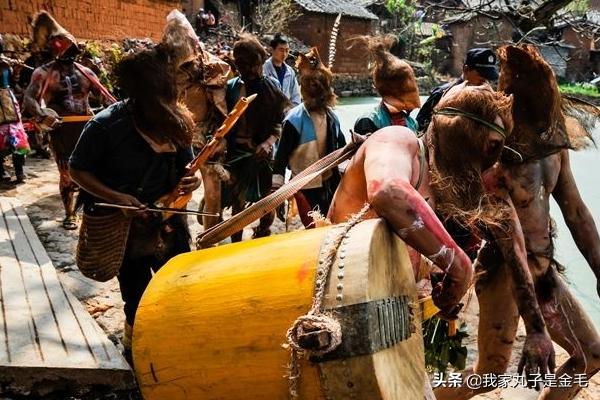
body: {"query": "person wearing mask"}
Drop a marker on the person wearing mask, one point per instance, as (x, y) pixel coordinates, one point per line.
(311, 130)
(395, 82)
(250, 142)
(58, 89)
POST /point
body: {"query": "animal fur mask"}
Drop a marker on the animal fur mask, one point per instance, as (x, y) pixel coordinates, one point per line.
(393, 78)
(460, 152)
(249, 56)
(180, 38)
(45, 29)
(148, 78)
(540, 128)
(315, 81)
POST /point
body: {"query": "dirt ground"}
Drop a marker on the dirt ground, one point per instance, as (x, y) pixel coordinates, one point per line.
(40, 198)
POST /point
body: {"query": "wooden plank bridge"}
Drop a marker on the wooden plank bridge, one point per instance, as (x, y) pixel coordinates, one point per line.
(47, 339)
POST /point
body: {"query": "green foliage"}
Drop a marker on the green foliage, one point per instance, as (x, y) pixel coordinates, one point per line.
(442, 350)
(112, 57)
(578, 7)
(403, 9)
(93, 49)
(104, 58)
(585, 89)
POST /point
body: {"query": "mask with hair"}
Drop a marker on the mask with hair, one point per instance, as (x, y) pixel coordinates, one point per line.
(539, 121)
(459, 153)
(249, 56)
(148, 79)
(393, 78)
(48, 34)
(315, 81)
(179, 37)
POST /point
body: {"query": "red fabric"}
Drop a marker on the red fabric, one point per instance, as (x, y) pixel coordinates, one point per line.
(398, 119)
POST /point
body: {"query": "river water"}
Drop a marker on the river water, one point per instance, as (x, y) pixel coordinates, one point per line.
(581, 279)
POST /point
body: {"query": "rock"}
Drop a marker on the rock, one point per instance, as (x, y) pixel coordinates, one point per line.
(346, 93)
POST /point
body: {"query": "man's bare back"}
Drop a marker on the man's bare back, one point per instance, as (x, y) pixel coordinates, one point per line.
(384, 173)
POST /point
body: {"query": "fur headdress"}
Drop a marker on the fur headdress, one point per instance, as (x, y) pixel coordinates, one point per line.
(45, 28)
(540, 128)
(180, 38)
(148, 78)
(545, 120)
(393, 78)
(248, 54)
(458, 153)
(315, 81)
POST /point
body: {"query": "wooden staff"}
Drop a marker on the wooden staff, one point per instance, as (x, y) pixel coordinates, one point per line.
(76, 118)
(176, 200)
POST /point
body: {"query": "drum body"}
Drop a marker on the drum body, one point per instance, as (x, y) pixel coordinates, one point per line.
(212, 323)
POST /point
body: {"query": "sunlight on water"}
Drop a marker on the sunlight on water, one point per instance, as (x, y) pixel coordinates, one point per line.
(580, 277)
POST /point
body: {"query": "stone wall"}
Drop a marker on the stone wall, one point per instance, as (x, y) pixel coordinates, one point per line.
(361, 85)
(352, 85)
(89, 19)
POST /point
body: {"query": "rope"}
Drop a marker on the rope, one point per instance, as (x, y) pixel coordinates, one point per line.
(451, 111)
(315, 321)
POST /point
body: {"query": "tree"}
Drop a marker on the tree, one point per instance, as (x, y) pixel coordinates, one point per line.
(533, 20)
(274, 16)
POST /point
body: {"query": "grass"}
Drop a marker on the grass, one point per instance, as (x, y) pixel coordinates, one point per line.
(584, 89)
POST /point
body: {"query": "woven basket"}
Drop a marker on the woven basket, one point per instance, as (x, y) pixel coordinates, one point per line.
(101, 246)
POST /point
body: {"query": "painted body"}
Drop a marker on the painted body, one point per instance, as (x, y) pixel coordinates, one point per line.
(541, 137)
(63, 88)
(383, 172)
(530, 187)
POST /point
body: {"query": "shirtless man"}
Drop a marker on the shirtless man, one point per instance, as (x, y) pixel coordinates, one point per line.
(540, 137)
(396, 173)
(60, 88)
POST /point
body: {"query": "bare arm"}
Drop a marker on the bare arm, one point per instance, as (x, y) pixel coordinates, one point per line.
(511, 241)
(32, 93)
(93, 88)
(388, 170)
(577, 216)
(91, 184)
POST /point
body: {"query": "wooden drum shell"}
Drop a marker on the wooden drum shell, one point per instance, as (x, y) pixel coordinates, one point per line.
(212, 323)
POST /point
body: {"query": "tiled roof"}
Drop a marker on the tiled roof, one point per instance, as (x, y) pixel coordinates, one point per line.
(345, 7)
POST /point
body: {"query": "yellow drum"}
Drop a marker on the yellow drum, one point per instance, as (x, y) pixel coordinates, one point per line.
(212, 323)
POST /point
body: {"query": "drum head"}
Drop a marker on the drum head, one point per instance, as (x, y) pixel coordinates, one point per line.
(373, 276)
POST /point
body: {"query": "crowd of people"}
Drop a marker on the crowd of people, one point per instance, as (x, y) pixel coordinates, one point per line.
(466, 183)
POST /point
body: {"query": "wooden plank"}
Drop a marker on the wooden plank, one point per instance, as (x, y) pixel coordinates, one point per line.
(45, 333)
(66, 311)
(20, 336)
(49, 341)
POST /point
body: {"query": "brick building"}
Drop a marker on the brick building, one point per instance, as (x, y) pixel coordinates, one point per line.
(571, 36)
(314, 29)
(475, 31)
(88, 19)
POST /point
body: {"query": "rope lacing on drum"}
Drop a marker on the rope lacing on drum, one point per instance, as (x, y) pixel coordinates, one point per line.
(318, 333)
